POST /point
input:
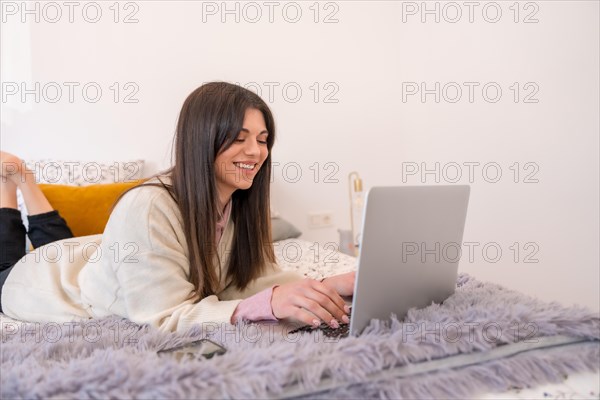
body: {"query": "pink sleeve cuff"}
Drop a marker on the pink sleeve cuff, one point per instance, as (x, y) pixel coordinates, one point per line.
(255, 308)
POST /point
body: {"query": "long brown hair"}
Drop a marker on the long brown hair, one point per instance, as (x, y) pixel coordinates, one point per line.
(210, 120)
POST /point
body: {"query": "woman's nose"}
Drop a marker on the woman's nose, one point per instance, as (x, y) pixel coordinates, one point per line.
(252, 147)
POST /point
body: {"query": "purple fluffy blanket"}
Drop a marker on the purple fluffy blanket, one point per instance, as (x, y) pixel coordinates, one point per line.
(484, 337)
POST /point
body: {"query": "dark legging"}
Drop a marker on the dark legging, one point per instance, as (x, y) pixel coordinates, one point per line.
(43, 229)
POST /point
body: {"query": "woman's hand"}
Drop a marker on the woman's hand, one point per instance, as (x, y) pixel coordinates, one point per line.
(309, 301)
(343, 284)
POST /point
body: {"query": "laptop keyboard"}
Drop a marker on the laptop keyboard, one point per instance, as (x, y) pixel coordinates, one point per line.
(328, 331)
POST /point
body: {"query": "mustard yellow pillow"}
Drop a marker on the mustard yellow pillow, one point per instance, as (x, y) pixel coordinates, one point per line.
(85, 208)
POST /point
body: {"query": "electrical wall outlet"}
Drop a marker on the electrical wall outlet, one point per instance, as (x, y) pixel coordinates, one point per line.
(320, 220)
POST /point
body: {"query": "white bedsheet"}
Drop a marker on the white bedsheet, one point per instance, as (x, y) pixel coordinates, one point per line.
(585, 385)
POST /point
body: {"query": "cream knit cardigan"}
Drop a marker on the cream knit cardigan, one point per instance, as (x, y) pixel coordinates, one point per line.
(137, 269)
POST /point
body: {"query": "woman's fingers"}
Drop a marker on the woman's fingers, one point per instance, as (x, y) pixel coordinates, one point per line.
(329, 299)
(343, 284)
(306, 317)
(307, 301)
(318, 311)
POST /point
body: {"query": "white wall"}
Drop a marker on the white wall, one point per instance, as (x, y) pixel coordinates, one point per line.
(367, 57)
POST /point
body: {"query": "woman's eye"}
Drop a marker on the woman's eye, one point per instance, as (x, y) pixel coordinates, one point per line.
(259, 141)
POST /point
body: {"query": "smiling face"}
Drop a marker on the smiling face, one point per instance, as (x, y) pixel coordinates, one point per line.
(237, 166)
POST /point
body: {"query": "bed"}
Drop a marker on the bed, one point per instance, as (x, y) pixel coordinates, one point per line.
(512, 346)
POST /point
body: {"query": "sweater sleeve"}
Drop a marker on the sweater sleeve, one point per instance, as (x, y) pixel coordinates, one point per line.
(256, 308)
(153, 282)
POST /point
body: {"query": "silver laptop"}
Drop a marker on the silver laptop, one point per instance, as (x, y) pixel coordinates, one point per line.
(409, 251)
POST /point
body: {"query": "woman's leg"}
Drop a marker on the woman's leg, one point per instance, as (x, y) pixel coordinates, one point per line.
(8, 193)
(12, 231)
(13, 168)
(12, 238)
(45, 224)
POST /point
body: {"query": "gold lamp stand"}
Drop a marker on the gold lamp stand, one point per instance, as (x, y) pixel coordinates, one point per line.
(355, 188)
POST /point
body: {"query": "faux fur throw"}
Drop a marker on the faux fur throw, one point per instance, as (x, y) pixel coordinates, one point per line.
(482, 338)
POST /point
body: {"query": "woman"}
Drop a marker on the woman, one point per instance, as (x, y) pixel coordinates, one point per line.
(187, 246)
